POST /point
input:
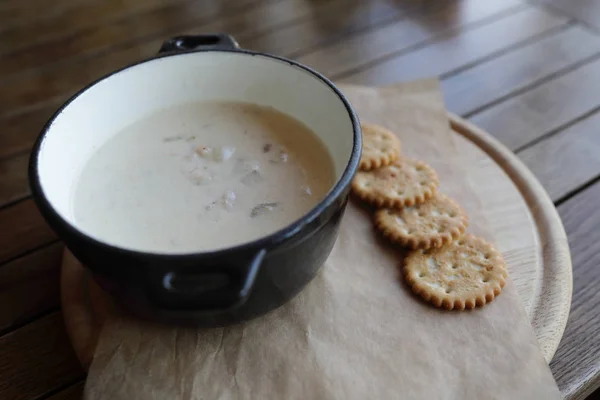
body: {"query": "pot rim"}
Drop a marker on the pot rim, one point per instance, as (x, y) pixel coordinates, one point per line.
(265, 242)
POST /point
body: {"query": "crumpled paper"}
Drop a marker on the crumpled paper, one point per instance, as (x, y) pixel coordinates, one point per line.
(356, 332)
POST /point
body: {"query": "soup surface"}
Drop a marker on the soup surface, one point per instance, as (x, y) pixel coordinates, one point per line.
(202, 176)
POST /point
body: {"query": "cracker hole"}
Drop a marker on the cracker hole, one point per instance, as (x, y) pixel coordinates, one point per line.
(419, 168)
(448, 290)
(393, 175)
(420, 275)
(400, 192)
(452, 214)
(461, 242)
(485, 280)
(454, 266)
(487, 256)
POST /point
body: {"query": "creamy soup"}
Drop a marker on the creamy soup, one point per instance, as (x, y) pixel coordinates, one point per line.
(202, 176)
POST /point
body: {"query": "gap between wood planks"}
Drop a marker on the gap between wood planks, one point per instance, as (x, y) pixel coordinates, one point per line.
(56, 97)
(533, 85)
(52, 102)
(38, 358)
(436, 38)
(94, 42)
(118, 14)
(72, 391)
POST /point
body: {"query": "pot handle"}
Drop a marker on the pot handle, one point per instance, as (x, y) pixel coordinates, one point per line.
(215, 288)
(208, 41)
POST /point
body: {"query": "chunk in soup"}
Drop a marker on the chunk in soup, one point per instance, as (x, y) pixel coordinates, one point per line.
(200, 177)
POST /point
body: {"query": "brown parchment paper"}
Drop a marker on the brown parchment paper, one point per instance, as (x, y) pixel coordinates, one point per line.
(356, 332)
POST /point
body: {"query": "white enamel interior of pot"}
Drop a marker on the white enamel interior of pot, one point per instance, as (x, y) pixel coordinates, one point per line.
(110, 105)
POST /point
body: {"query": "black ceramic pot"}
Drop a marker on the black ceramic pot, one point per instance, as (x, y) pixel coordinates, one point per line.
(206, 288)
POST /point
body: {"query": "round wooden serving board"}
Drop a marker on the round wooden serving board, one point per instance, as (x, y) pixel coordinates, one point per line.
(522, 217)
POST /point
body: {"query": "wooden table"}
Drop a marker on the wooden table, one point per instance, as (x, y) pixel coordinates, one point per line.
(527, 72)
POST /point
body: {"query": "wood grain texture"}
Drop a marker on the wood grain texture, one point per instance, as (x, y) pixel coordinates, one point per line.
(106, 14)
(586, 11)
(13, 178)
(576, 367)
(567, 160)
(29, 286)
(16, 13)
(365, 48)
(460, 49)
(99, 38)
(234, 17)
(22, 228)
(38, 358)
(74, 392)
(526, 117)
(325, 26)
(19, 132)
(33, 90)
(552, 299)
(477, 87)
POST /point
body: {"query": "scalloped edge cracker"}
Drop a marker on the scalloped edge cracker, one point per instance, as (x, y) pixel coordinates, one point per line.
(381, 147)
(404, 183)
(437, 222)
(467, 273)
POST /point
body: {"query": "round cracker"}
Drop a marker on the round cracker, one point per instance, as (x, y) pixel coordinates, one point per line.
(404, 183)
(434, 223)
(381, 147)
(467, 273)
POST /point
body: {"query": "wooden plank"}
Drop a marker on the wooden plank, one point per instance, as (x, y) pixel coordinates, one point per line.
(108, 13)
(37, 359)
(29, 286)
(459, 49)
(474, 88)
(324, 27)
(526, 117)
(30, 90)
(16, 12)
(365, 48)
(22, 228)
(34, 90)
(74, 392)
(576, 364)
(20, 131)
(586, 11)
(567, 160)
(13, 179)
(270, 17)
(238, 20)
